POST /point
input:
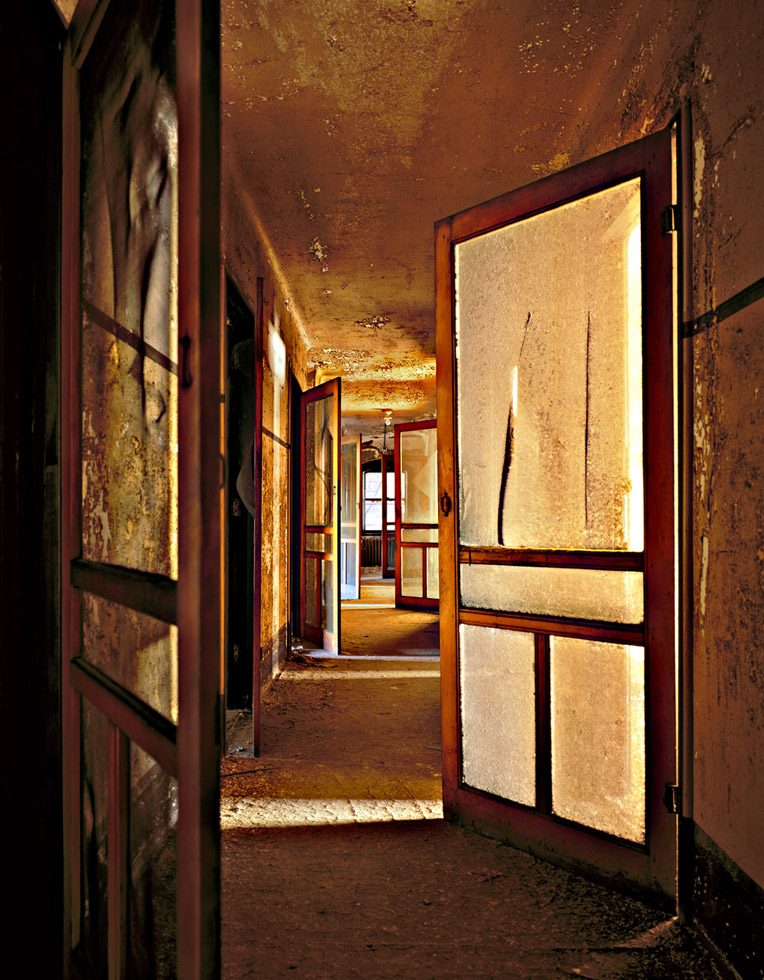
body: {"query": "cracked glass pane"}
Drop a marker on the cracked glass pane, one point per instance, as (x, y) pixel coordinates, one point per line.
(498, 711)
(129, 292)
(549, 378)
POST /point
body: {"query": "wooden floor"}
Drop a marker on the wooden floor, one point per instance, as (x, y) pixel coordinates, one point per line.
(337, 862)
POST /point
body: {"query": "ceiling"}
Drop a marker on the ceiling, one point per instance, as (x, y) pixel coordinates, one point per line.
(353, 125)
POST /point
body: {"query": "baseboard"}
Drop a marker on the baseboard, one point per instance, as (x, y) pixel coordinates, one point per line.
(727, 907)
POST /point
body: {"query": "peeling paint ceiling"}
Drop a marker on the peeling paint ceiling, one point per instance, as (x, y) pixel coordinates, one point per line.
(351, 127)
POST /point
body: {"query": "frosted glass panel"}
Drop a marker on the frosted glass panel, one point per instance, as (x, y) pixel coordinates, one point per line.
(312, 566)
(129, 292)
(319, 471)
(549, 376)
(411, 572)
(350, 516)
(433, 585)
(583, 593)
(138, 651)
(318, 542)
(598, 735)
(419, 534)
(153, 862)
(497, 682)
(419, 476)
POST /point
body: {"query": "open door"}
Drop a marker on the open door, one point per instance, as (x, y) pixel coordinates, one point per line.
(350, 517)
(388, 515)
(141, 478)
(416, 515)
(555, 358)
(319, 516)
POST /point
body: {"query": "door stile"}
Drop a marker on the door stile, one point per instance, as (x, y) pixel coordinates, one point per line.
(257, 564)
(71, 494)
(199, 481)
(388, 571)
(119, 850)
(448, 534)
(659, 414)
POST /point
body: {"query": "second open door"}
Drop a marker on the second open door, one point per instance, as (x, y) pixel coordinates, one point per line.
(319, 516)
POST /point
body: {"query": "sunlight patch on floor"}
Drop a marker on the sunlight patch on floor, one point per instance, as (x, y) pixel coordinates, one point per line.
(243, 814)
(315, 677)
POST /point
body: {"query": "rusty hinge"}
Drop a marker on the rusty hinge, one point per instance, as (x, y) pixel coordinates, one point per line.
(672, 798)
(670, 219)
(445, 504)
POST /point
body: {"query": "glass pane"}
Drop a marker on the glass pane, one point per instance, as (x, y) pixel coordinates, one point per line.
(498, 712)
(372, 520)
(312, 566)
(138, 651)
(153, 862)
(95, 817)
(419, 476)
(328, 606)
(318, 542)
(319, 472)
(583, 593)
(433, 585)
(411, 572)
(419, 534)
(350, 570)
(373, 486)
(129, 292)
(598, 735)
(350, 481)
(549, 377)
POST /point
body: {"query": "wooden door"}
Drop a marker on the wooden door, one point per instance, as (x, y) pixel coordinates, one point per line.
(388, 515)
(319, 516)
(141, 478)
(350, 518)
(555, 357)
(416, 515)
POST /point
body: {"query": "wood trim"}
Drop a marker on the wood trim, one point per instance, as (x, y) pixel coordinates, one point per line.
(625, 561)
(71, 496)
(147, 593)
(257, 564)
(581, 180)
(319, 529)
(197, 24)
(140, 722)
(319, 555)
(418, 544)
(386, 460)
(554, 626)
(118, 864)
(543, 725)
(448, 525)
(406, 601)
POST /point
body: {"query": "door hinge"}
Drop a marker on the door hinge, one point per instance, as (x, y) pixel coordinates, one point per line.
(672, 798)
(670, 219)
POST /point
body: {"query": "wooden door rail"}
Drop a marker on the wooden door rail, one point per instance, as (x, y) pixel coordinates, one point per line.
(619, 561)
(153, 595)
(140, 722)
(555, 626)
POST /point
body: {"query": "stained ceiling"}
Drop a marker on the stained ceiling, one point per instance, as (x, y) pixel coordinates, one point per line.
(353, 125)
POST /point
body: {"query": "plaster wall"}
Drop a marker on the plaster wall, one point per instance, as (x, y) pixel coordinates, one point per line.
(712, 55)
(246, 258)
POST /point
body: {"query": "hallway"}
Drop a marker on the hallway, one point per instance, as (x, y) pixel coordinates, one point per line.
(336, 861)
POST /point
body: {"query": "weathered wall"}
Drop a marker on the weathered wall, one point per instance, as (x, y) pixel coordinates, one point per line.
(246, 258)
(712, 53)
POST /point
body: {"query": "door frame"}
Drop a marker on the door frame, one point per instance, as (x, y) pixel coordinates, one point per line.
(331, 387)
(402, 601)
(650, 869)
(190, 750)
(387, 461)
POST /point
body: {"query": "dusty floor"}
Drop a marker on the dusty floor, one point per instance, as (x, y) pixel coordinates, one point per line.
(337, 863)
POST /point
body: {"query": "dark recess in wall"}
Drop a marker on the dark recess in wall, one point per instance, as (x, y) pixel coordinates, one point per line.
(30, 158)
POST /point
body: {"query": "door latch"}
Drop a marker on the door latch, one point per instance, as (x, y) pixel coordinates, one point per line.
(445, 504)
(672, 798)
